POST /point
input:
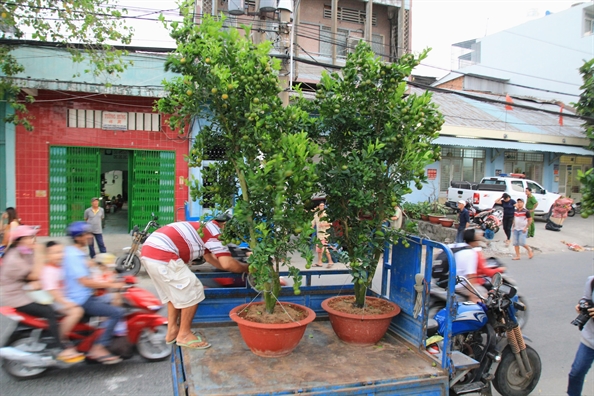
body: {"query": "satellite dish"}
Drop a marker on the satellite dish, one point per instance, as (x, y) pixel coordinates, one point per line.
(236, 7)
(268, 5)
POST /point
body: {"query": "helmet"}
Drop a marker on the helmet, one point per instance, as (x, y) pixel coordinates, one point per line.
(78, 228)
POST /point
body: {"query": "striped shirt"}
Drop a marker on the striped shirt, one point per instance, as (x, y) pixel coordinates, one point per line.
(181, 240)
(521, 219)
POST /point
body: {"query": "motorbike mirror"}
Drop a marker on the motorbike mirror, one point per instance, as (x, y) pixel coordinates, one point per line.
(497, 280)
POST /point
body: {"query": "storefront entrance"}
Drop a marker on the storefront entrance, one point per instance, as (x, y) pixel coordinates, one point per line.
(145, 179)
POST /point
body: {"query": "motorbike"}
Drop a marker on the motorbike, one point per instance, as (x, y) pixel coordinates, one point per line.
(575, 208)
(438, 296)
(129, 262)
(489, 337)
(490, 219)
(27, 356)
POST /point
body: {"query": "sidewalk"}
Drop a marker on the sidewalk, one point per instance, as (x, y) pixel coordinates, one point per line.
(575, 230)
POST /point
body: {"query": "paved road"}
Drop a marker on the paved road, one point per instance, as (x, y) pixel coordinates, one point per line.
(552, 283)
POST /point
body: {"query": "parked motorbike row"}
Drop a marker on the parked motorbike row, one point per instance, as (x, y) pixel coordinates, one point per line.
(490, 219)
(488, 346)
(26, 354)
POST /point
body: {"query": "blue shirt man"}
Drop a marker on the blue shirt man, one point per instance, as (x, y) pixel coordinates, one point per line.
(463, 219)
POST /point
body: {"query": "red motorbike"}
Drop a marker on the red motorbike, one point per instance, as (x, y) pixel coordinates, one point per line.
(26, 354)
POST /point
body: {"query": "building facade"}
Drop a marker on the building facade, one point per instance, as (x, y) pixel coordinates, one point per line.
(91, 139)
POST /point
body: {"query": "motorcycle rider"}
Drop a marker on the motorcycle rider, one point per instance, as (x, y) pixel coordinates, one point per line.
(467, 263)
(80, 287)
(20, 271)
(164, 256)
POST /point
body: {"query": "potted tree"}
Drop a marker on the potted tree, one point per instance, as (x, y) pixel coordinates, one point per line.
(266, 172)
(376, 142)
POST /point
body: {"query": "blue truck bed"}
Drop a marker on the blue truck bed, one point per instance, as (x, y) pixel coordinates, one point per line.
(321, 364)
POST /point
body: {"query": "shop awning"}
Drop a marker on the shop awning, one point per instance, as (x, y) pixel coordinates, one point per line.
(501, 144)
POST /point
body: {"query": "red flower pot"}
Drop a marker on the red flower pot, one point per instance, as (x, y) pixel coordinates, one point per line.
(272, 340)
(359, 329)
(434, 219)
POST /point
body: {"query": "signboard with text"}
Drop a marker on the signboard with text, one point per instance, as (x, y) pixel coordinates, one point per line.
(114, 121)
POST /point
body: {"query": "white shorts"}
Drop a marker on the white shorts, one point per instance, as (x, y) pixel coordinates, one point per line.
(174, 282)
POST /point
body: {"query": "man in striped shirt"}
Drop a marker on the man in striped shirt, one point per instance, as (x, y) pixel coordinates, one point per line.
(165, 254)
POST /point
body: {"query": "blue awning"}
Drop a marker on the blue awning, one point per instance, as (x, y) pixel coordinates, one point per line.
(510, 145)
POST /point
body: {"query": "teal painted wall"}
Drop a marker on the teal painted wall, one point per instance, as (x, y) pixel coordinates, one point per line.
(7, 160)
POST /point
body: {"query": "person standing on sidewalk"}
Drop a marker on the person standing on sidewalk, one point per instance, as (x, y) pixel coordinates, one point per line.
(522, 220)
(531, 204)
(94, 216)
(463, 220)
(509, 208)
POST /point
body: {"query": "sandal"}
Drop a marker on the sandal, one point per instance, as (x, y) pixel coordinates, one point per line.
(171, 342)
(515, 258)
(330, 265)
(105, 359)
(531, 255)
(318, 265)
(193, 343)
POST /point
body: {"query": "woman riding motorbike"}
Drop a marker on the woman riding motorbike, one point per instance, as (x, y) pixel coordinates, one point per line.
(20, 272)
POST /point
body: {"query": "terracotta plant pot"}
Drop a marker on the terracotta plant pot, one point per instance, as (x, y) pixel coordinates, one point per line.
(424, 217)
(446, 222)
(272, 340)
(434, 218)
(359, 329)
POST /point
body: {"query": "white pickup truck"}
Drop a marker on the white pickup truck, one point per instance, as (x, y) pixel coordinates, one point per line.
(484, 194)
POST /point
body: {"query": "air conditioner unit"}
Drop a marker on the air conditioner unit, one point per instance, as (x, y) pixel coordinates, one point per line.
(352, 43)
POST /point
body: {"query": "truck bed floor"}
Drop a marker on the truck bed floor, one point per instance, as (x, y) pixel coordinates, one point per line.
(321, 364)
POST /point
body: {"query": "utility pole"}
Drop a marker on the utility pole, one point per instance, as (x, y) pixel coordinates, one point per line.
(334, 34)
(285, 9)
(368, 36)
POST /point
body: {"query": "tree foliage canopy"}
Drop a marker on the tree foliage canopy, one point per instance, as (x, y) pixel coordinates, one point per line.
(229, 87)
(87, 28)
(585, 108)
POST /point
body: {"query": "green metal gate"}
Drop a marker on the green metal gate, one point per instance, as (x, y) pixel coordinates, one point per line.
(152, 187)
(74, 180)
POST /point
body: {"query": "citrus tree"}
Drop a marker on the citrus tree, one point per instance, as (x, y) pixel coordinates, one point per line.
(267, 175)
(376, 141)
(585, 107)
(86, 28)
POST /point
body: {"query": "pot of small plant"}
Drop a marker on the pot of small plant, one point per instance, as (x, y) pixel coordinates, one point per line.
(266, 172)
(372, 153)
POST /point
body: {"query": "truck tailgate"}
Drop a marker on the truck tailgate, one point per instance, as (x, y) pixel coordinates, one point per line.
(321, 364)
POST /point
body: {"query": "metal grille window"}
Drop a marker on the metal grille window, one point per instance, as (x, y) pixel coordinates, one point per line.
(327, 39)
(524, 156)
(462, 153)
(461, 164)
(349, 15)
(78, 118)
(588, 23)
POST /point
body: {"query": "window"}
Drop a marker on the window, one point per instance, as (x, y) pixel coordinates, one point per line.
(588, 23)
(349, 15)
(528, 163)
(78, 118)
(327, 39)
(517, 185)
(536, 189)
(461, 164)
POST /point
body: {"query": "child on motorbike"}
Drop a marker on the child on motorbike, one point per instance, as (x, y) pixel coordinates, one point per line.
(52, 280)
(102, 270)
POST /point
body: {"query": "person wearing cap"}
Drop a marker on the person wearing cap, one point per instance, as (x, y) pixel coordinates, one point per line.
(509, 208)
(463, 220)
(21, 272)
(94, 216)
(164, 256)
(80, 288)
